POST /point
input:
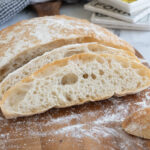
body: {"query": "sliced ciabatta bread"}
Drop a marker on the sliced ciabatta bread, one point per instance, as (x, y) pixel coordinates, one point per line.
(59, 53)
(28, 39)
(138, 123)
(75, 80)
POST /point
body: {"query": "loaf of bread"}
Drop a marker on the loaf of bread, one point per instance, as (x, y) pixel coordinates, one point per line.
(138, 123)
(28, 39)
(75, 80)
(59, 53)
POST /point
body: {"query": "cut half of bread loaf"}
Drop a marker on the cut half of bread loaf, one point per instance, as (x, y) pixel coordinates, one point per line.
(73, 81)
(56, 54)
(28, 39)
(138, 124)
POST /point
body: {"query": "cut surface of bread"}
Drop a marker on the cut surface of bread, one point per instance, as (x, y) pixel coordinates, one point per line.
(73, 81)
(28, 39)
(56, 54)
(138, 124)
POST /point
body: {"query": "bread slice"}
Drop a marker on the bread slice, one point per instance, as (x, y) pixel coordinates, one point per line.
(56, 54)
(138, 123)
(73, 81)
(28, 39)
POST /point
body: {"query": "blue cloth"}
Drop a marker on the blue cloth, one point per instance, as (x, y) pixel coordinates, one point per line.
(9, 8)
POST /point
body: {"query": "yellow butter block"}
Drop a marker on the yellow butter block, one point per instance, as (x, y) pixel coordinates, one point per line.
(129, 1)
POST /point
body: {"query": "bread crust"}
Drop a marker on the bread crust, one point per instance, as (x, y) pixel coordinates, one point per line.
(6, 41)
(52, 68)
(138, 123)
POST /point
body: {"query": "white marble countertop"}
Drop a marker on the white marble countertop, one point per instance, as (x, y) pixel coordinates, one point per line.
(138, 39)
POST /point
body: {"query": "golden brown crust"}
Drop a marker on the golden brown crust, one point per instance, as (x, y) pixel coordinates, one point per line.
(138, 123)
(25, 32)
(111, 40)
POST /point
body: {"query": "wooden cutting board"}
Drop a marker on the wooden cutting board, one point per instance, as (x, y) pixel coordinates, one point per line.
(91, 126)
